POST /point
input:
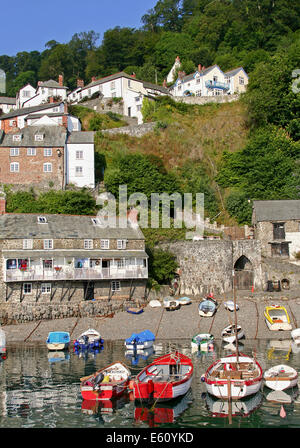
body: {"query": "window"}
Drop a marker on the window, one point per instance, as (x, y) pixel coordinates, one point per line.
(278, 231)
(17, 138)
(31, 151)
(47, 167)
(27, 244)
(47, 264)
(116, 285)
(26, 93)
(215, 78)
(88, 244)
(79, 155)
(241, 80)
(42, 220)
(121, 263)
(39, 137)
(138, 107)
(129, 83)
(78, 171)
(112, 85)
(47, 152)
(50, 92)
(121, 244)
(46, 288)
(113, 94)
(11, 122)
(198, 80)
(27, 288)
(198, 92)
(14, 167)
(104, 244)
(14, 152)
(89, 92)
(48, 244)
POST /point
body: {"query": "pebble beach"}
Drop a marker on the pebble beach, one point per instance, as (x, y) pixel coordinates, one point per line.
(183, 323)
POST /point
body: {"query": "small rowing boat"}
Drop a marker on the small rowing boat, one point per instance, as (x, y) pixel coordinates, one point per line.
(171, 304)
(202, 342)
(207, 307)
(277, 318)
(89, 339)
(229, 334)
(58, 340)
(140, 341)
(167, 377)
(281, 377)
(106, 383)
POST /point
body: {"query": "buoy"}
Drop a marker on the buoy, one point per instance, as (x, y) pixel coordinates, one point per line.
(282, 412)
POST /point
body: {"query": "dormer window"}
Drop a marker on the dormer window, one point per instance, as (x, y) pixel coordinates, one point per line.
(42, 220)
(17, 137)
(39, 137)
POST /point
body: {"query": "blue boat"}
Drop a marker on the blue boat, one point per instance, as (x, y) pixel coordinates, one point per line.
(89, 340)
(58, 340)
(134, 310)
(140, 341)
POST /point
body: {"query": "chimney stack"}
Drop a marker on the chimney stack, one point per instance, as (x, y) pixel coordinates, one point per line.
(2, 205)
(60, 80)
(51, 99)
(177, 59)
(93, 78)
(165, 83)
(199, 68)
(80, 83)
(133, 75)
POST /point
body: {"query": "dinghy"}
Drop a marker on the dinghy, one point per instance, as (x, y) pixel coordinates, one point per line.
(233, 377)
(106, 383)
(229, 305)
(90, 339)
(140, 341)
(229, 333)
(281, 377)
(134, 310)
(184, 301)
(277, 318)
(295, 334)
(202, 342)
(58, 340)
(2, 344)
(167, 377)
(207, 307)
(154, 303)
(171, 304)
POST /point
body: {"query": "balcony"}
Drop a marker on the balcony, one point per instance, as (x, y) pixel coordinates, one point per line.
(217, 85)
(70, 273)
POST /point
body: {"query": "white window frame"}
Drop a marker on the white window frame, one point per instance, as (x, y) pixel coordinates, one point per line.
(15, 167)
(241, 80)
(88, 244)
(116, 285)
(112, 85)
(104, 244)
(27, 244)
(46, 288)
(78, 171)
(17, 138)
(79, 155)
(39, 137)
(14, 152)
(46, 167)
(121, 263)
(47, 152)
(48, 244)
(121, 244)
(31, 151)
(27, 288)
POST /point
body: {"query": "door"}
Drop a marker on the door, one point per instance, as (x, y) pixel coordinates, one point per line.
(89, 290)
(243, 273)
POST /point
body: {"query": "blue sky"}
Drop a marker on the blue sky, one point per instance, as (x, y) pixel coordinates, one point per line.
(28, 25)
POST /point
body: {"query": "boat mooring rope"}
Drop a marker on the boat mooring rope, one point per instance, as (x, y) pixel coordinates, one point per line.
(26, 339)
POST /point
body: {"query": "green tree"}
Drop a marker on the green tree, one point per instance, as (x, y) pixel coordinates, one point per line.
(162, 265)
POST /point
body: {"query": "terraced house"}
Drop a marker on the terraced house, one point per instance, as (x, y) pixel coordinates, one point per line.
(65, 258)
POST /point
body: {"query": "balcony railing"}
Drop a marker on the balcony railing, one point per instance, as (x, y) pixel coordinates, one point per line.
(17, 275)
(217, 85)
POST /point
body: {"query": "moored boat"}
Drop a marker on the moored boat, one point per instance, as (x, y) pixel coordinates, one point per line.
(2, 344)
(277, 318)
(229, 305)
(184, 301)
(229, 334)
(89, 339)
(58, 340)
(207, 307)
(134, 310)
(167, 377)
(171, 304)
(140, 341)
(202, 341)
(233, 377)
(106, 383)
(223, 408)
(295, 334)
(281, 377)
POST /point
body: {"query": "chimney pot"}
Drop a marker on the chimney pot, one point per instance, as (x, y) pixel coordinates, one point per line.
(2, 205)
(60, 80)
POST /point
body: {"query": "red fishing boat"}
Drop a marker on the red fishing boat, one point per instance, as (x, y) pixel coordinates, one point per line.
(106, 383)
(167, 377)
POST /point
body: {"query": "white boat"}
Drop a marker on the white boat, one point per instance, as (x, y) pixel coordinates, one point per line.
(278, 396)
(58, 340)
(184, 301)
(154, 303)
(281, 377)
(89, 339)
(2, 343)
(171, 304)
(202, 342)
(229, 305)
(207, 307)
(233, 377)
(223, 409)
(277, 318)
(229, 334)
(295, 334)
(140, 341)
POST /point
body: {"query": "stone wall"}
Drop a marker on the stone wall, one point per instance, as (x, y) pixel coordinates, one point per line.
(206, 99)
(134, 131)
(207, 265)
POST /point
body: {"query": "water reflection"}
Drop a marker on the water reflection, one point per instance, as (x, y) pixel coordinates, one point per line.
(39, 389)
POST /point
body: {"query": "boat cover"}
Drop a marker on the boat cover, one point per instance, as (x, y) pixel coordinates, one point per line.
(143, 336)
(58, 337)
(207, 304)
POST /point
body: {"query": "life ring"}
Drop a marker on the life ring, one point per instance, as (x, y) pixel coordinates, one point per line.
(97, 263)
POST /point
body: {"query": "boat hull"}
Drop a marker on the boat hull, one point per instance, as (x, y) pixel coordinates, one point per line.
(57, 346)
(105, 392)
(139, 345)
(238, 389)
(281, 377)
(160, 392)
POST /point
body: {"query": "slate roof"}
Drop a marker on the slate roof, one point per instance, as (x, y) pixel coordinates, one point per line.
(52, 84)
(7, 100)
(235, 71)
(29, 110)
(21, 225)
(276, 210)
(81, 137)
(53, 136)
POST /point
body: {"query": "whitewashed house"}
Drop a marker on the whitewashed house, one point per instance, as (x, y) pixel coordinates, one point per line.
(79, 162)
(123, 86)
(24, 94)
(172, 73)
(208, 81)
(7, 104)
(237, 80)
(29, 96)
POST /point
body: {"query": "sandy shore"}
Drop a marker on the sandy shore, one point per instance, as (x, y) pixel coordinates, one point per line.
(179, 324)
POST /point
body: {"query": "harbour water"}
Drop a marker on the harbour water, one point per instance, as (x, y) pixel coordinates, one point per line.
(41, 389)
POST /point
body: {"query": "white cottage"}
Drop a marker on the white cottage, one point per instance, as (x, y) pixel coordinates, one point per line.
(7, 104)
(237, 80)
(79, 162)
